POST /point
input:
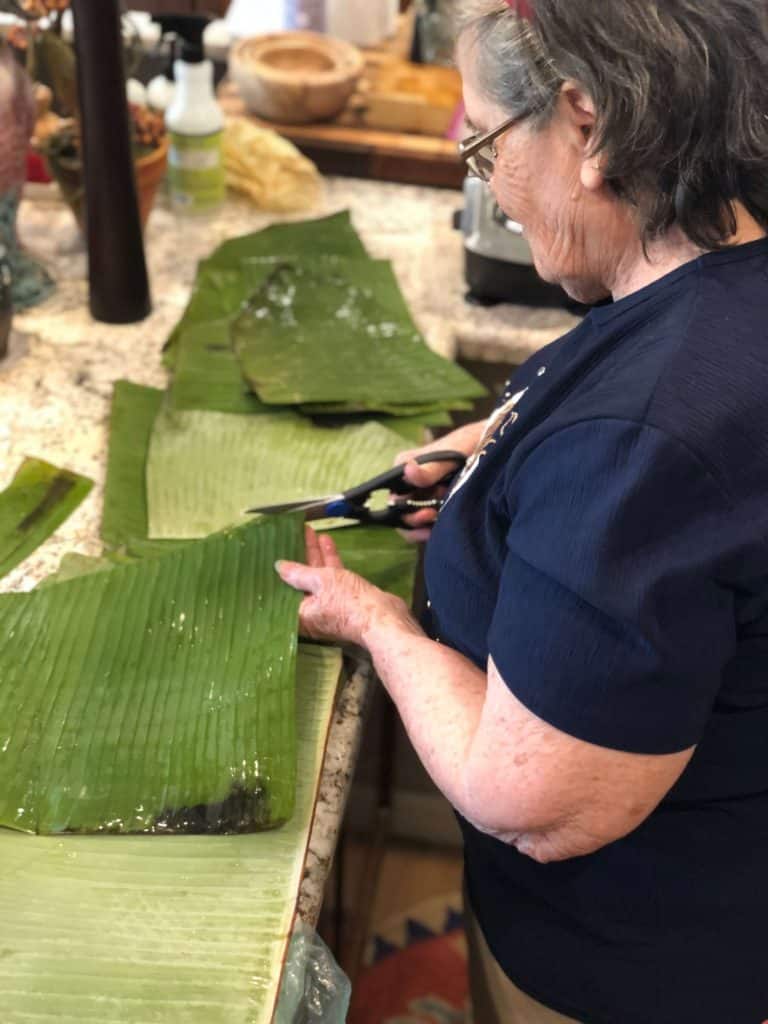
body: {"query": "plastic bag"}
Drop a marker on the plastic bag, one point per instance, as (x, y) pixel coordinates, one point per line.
(314, 989)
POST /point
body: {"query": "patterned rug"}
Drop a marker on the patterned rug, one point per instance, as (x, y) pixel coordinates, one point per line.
(416, 969)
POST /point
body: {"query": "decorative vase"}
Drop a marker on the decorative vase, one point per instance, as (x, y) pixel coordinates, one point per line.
(31, 283)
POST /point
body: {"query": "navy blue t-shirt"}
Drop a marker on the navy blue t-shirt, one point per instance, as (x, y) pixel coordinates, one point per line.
(608, 550)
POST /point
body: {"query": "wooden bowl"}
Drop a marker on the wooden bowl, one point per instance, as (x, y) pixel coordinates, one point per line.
(295, 77)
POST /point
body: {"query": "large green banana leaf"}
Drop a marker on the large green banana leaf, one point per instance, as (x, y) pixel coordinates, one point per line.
(155, 697)
(206, 469)
(219, 296)
(380, 555)
(134, 410)
(334, 234)
(340, 332)
(38, 500)
(207, 374)
(207, 377)
(176, 930)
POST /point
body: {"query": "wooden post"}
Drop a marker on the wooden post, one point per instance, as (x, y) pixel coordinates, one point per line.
(117, 272)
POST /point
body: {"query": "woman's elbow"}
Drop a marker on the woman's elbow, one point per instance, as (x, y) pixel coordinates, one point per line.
(545, 833)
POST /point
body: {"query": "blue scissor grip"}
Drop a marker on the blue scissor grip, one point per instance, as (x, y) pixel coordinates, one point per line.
(340, 510)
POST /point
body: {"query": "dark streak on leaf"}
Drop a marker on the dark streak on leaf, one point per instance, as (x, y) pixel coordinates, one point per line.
(58, 490)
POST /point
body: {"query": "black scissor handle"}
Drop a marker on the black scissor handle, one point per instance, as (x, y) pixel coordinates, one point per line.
(395, 515)
(394, 479)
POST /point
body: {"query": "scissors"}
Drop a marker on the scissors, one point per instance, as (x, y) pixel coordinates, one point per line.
(353, 504)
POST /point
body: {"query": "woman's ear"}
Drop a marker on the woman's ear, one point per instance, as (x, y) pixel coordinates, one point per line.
(578, 109)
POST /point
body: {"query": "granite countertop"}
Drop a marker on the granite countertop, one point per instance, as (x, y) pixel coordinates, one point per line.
(56, 384)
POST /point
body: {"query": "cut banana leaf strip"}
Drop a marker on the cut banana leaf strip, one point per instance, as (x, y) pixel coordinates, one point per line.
(341, 332)
(158, 697)
(182, 930)
(38, 500)
(206, 468)
(381, 556)
(134, 409)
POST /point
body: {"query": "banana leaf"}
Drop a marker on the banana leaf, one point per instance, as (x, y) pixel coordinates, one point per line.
(433, 414)
(334, 234)
(158, 697)
(185, 930)
(125, 494)
(381, 556)
(134, 410)
(207, 376)
(412, 429)
(216, 296)
(205, 469)
(340, 332)
(206, 372)
(73, 566)
(39, 499)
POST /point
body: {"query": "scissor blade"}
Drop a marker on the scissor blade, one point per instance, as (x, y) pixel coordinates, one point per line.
(314, 508)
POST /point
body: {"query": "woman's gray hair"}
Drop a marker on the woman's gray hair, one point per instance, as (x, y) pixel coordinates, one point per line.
(680, 88)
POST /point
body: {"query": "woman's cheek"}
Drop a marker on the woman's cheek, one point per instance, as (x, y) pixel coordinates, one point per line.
(502, 195)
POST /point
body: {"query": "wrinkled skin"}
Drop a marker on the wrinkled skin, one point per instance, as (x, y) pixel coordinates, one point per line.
(340, 605)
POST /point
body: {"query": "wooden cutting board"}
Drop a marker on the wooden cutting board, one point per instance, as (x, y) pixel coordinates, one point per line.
(394, 95)
(392, 129)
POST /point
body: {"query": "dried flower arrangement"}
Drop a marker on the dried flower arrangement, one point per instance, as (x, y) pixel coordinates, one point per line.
(38, 42)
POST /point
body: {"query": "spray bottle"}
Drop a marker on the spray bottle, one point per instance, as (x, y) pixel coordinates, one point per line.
(195, 122)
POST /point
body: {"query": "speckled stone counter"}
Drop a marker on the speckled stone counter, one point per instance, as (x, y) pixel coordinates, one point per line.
(56, 385)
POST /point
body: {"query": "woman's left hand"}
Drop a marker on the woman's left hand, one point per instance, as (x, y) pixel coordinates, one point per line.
(339, 606)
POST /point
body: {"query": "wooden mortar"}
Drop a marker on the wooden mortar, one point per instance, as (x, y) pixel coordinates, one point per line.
(295, 77)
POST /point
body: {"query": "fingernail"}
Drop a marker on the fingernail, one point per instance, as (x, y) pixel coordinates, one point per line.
(279, 565)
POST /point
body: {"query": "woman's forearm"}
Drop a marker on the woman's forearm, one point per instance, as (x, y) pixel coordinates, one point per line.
(439, 695)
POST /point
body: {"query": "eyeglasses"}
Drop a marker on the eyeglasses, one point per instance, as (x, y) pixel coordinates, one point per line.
(479, 150)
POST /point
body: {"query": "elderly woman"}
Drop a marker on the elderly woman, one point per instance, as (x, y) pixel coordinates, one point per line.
(591, 689)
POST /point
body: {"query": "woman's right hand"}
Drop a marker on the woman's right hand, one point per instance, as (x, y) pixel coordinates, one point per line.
(426, 479)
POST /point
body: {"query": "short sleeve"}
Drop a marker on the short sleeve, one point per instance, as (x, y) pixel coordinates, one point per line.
(612, 621)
